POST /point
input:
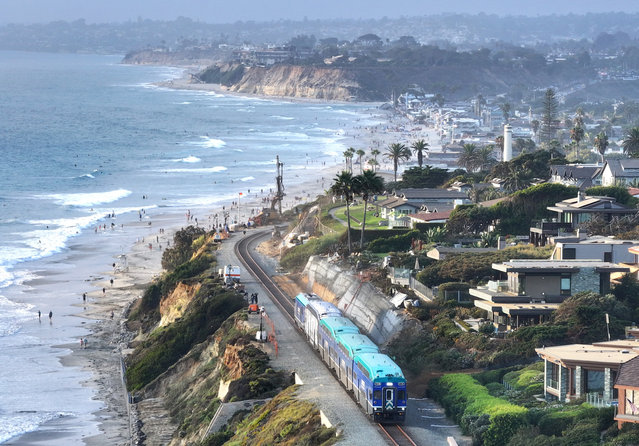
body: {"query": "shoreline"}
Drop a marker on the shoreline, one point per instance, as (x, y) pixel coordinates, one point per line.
(107, 337)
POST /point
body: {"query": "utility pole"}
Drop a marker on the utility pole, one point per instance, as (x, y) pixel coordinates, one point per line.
(279, 194)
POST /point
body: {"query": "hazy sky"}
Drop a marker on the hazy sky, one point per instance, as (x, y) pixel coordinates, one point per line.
(216, 11)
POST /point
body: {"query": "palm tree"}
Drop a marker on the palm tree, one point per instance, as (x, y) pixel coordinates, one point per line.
(419, 147)
(516, 179)
(601, 144)
(367, 184)
(505, 110)
(373, 163)
(343, 185)
(374, 153)
(535, 124)
(630, 143)
(468, 157)
(348, 158)
(360, 153)
(485, 157)
(397, 152)
(577, 134)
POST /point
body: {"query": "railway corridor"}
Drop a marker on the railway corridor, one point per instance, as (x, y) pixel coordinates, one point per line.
(319, 384)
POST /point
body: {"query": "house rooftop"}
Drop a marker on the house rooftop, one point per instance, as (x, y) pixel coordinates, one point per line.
(431, 216)
(429, 193)
(577, 354)
(629, 373)
(542, 265)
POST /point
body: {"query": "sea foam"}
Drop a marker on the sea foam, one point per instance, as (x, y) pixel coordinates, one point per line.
(88, 199)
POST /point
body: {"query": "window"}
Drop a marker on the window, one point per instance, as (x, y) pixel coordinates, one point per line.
(565, 285)
(570, 253)
(607, 256)
(377, 395)
(553, 376)
(401, 395)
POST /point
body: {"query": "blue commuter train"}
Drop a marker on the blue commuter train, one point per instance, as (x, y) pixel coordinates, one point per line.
(377, 383)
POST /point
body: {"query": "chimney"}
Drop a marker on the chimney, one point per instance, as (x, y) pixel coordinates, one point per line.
(508, 143)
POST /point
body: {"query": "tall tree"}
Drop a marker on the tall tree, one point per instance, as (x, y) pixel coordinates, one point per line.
(549, 115)
(366, 184)
(373, 163)
(397, 152)
(485, 159)
(343, 186)
(630, 142)
(419, 147)
(601, 144)
(534, 124)
(360, 153)
(348, 158)
(505, 111)
(468, 157)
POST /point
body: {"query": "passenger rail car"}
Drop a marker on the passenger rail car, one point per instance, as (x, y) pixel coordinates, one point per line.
(376, 381)
(330, 328)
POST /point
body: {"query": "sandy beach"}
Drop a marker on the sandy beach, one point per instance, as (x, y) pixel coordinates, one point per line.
(112, 275)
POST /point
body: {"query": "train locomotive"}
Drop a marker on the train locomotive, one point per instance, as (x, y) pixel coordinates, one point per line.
(377, 383)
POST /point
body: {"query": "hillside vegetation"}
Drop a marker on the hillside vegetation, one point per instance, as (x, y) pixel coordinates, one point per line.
(195, 349)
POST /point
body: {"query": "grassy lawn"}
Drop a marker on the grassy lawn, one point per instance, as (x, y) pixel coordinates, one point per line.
(357, 214)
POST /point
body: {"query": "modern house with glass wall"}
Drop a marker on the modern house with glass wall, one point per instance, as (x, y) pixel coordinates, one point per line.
(528, 291)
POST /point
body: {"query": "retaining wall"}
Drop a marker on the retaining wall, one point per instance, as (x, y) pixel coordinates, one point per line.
(365, 305)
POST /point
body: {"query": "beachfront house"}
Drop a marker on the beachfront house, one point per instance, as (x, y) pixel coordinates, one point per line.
(573, 212)
(528, 291)
(585, 370)
(582, 176)
(606, 249)
(405, 202)
(619, 171)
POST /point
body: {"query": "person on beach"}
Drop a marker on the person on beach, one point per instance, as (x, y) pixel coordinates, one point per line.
(81, 343)
(111, 282)
(84, 297)
(86, 343)
(111, 314)
(50, 315)
(39, 315)
(103, 291)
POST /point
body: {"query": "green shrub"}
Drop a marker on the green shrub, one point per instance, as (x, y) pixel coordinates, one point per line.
(295, 259)
(582, 434)
(463, 397)
(554, 423)
(395, 243)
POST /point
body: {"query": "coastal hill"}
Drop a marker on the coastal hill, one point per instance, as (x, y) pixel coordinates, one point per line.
(455, 75)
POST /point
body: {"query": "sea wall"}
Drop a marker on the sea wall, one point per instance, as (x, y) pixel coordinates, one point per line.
(365, 305)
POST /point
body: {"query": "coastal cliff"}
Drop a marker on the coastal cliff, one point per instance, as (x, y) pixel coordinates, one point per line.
(295, 81)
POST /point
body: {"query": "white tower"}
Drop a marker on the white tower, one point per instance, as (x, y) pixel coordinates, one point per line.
(508, 143)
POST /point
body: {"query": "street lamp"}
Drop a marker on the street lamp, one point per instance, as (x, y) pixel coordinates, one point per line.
(238, 208)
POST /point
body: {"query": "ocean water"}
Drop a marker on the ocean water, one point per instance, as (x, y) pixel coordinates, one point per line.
(86, 142)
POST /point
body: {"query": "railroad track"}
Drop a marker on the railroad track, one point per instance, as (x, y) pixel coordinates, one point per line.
(396, 435)
(243, 252)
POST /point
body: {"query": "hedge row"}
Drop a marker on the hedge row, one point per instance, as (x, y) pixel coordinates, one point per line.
(490, 420)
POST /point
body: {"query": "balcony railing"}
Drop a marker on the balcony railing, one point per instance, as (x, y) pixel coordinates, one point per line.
(597, 400)
(497, 285)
